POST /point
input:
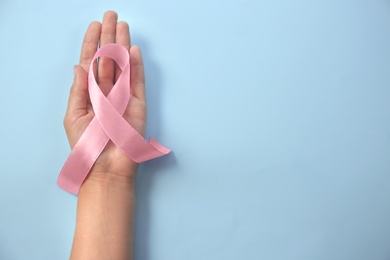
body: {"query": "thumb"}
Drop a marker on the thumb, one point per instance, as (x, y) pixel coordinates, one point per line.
(78, 97)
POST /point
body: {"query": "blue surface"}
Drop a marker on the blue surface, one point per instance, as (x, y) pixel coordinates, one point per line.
(278, 113)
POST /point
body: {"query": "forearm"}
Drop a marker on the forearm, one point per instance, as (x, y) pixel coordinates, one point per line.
(105, 217)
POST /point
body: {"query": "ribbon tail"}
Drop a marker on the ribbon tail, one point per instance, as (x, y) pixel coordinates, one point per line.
(82, 158)
(148, 151)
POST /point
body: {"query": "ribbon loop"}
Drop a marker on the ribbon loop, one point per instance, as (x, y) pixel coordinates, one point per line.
(107, 124)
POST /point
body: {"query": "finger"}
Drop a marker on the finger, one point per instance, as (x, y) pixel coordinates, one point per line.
(90, 44)
(137, 76)
(122, 38)
(106, 67)
(78, 97)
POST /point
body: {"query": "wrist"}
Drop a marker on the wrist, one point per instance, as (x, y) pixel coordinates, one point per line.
(98, 179)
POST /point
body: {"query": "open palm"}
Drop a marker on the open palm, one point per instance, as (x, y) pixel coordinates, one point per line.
(112, 161)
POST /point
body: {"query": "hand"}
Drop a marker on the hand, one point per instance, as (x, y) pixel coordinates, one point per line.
(112, 162)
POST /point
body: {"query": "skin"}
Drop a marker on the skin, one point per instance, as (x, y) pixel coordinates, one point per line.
(106, 201)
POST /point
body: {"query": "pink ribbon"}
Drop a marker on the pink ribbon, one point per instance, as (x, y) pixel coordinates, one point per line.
(107, 124)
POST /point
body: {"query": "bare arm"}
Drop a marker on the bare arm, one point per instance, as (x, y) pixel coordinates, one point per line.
(104, 225)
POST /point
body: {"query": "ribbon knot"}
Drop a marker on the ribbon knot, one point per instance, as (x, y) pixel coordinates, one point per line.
(107, 124)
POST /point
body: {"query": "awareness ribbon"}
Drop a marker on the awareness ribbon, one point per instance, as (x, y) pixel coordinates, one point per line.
(107, 124)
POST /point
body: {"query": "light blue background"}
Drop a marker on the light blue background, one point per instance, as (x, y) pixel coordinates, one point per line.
(278, 113)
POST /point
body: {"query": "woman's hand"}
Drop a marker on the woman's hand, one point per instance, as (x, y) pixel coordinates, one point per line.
(112, 162)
